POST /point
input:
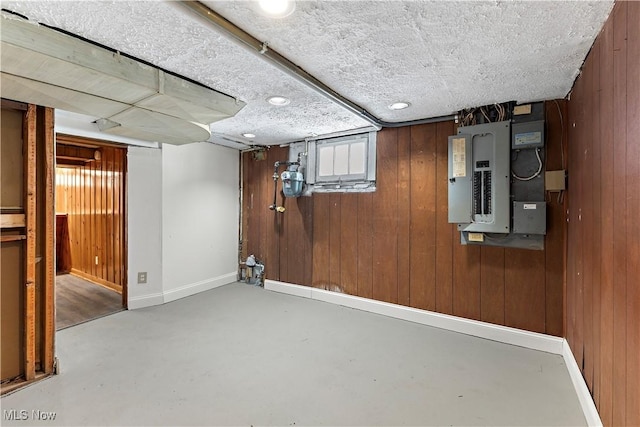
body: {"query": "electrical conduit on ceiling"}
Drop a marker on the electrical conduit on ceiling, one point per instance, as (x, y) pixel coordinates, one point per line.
(282, 63)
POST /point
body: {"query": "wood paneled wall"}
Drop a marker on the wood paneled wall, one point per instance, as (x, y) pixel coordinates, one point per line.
(93, 198)
(603, 289)
(396, 245)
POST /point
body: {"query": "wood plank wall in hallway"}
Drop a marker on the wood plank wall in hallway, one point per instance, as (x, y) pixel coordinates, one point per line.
(93, 198)
(603, 290)
(396, 245)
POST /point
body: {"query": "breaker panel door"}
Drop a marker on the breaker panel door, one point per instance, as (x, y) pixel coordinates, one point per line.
(479, 167)
(460, 175)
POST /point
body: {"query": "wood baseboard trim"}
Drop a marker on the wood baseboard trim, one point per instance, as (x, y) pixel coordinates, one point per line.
(96, 280)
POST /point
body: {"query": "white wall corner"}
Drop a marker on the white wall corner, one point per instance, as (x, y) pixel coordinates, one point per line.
(200, 193)
(144, 226)
(197, 287)
(584, 396)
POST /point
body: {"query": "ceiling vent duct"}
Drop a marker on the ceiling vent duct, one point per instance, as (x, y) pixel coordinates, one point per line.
(43, 66)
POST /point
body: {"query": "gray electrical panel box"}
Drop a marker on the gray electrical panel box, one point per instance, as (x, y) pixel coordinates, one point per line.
(530, 217)
(479, 169)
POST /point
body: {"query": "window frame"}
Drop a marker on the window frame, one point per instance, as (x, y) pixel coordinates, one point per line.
(359, 182)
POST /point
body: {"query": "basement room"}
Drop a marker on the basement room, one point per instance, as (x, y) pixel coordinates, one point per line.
(318, 212)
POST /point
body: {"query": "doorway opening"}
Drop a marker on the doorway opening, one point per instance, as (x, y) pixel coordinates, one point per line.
(91, 247)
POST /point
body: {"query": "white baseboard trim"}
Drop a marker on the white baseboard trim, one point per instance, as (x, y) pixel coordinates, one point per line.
(201, 286)
(584, 396)
(532, 340)
(503, 334)
(145, 301)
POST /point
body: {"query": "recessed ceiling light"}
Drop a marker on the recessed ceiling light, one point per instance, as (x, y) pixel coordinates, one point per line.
(278, 100)
(277, 8)
(249, 135)
(399, 105)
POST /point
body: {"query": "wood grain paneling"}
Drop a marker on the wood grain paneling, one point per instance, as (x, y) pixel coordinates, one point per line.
(282, 241)
(321, 228)
(405, 234)
(586, 213)
(385, 222)
(492, 290)
(603, 298)
(348, 243)
(620, 231)
(365, 245)
(335, 241)
(423, 224)
(396, 244)
(632, 214)
(556, 116)
(466, 280)
(525, 289)
(445, 232)
(605, 115)
(92, 197)
(596, 221)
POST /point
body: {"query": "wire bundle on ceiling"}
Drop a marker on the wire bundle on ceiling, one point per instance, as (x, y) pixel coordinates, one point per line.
(485, 114)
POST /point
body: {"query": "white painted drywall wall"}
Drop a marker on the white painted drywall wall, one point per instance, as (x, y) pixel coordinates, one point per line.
(144, 226)
(183, 216)
(200, 217)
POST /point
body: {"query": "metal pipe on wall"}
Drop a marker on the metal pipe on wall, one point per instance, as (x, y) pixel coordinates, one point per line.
(285, 65)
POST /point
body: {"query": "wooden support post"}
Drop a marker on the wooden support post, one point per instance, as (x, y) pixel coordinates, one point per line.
(50, 255)
(30, 247)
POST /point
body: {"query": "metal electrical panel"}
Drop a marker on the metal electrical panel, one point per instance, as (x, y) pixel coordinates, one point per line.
(479, 169)
(530, 217)
(497, 176)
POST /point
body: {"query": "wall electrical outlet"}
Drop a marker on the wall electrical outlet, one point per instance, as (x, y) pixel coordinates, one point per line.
(142, 277)
(96, 260)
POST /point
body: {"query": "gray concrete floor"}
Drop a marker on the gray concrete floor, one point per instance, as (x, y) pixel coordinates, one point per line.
(240, 355)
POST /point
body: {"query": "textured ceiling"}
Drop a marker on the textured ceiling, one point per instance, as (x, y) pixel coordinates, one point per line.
(441, 56)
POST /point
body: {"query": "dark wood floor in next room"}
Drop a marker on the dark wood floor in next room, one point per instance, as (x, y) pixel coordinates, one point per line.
(78, 301)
